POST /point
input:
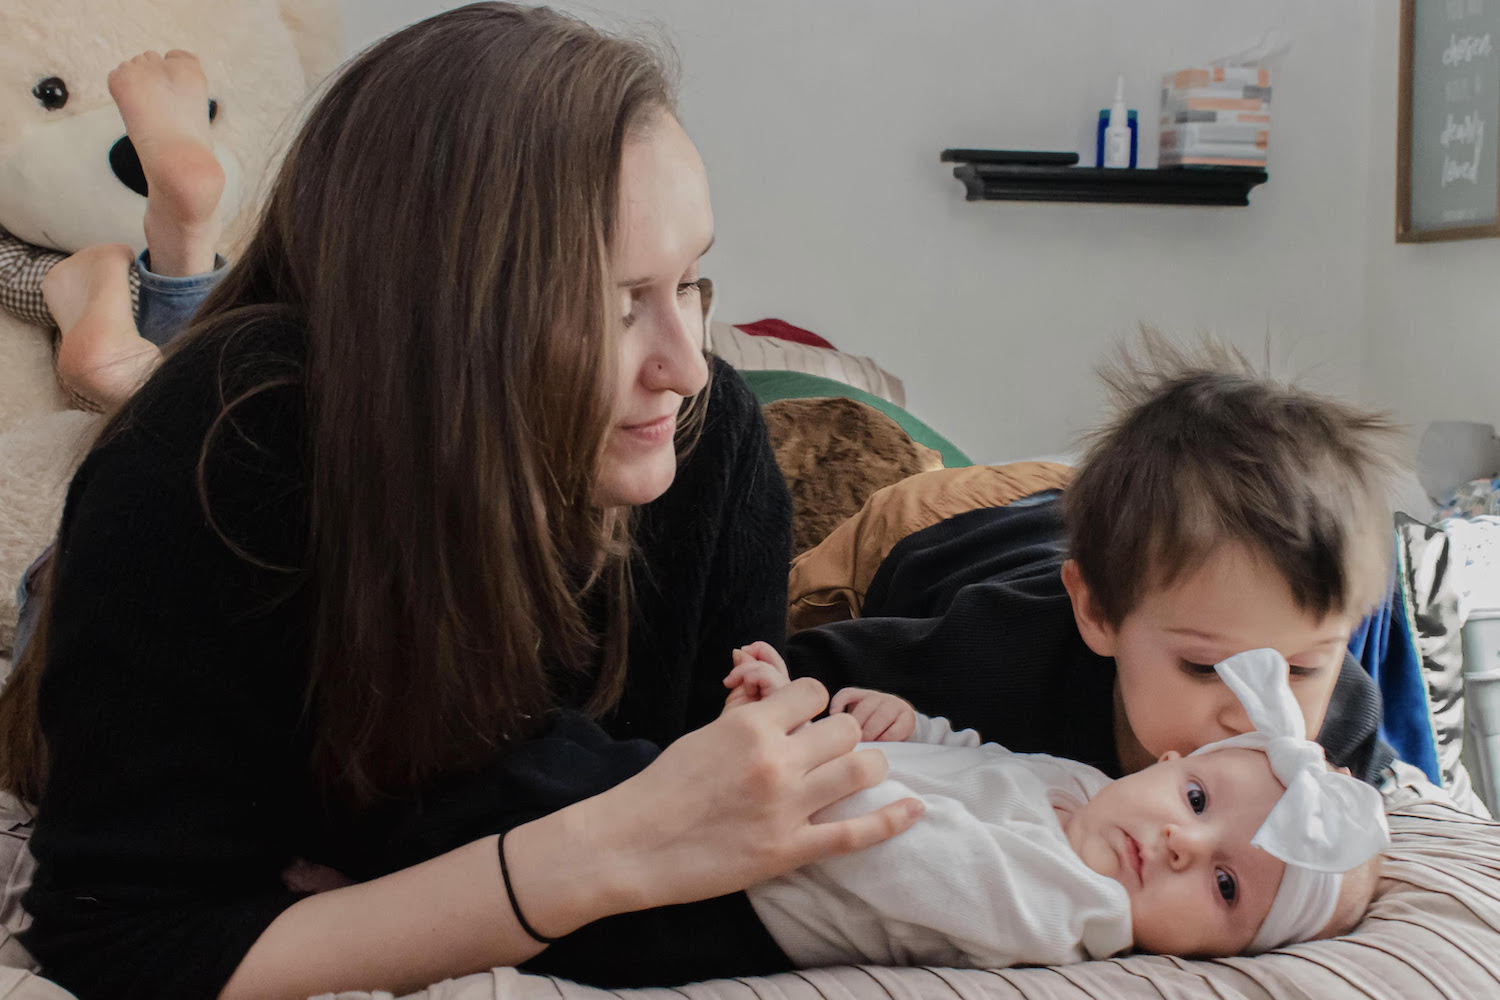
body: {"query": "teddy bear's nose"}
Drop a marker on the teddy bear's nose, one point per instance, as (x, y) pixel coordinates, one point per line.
(127, 166)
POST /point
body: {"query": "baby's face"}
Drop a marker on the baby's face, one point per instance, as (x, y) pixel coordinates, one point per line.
(1177, 835)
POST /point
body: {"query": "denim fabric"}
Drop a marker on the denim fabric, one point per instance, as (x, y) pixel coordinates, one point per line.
(26, 605)
(168, 303)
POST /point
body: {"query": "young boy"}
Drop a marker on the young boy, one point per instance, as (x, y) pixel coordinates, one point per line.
(1218, 512)
(102, 354)
(1030, 859)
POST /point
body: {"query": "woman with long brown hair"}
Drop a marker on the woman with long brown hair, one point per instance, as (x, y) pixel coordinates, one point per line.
(392, 568)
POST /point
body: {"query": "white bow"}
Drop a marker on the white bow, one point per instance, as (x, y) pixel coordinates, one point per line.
(1324, 824)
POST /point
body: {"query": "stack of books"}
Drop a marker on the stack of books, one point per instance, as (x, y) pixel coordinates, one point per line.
(1218, 116)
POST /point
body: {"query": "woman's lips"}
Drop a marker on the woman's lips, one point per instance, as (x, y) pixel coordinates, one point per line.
(652, 432)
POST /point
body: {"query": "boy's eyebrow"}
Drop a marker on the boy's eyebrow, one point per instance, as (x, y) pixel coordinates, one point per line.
(1194, 633)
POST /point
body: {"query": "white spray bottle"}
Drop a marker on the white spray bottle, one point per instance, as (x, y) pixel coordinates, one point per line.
(1117, 134)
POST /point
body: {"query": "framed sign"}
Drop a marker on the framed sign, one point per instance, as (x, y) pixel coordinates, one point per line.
(1448, 121)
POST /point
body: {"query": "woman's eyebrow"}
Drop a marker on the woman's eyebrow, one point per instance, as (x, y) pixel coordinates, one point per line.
(639, 282)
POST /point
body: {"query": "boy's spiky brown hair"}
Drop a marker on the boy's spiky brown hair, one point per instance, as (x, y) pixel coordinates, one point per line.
(1203, 451)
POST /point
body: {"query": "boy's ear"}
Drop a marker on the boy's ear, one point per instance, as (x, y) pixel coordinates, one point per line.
(1097, 633)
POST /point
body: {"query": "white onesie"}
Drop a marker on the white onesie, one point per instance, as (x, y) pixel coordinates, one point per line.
(985, 879)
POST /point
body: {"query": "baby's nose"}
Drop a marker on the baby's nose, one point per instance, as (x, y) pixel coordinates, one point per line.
(1185, 844)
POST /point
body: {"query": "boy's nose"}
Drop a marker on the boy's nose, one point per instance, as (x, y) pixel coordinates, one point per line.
(1232, 717)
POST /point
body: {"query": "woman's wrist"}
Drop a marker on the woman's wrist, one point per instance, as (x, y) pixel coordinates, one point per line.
(573, 867)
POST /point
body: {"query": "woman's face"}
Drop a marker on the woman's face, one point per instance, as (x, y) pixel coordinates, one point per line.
(664, 226)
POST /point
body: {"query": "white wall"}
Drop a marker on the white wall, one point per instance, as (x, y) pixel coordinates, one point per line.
(1433, 317)
(821, 120)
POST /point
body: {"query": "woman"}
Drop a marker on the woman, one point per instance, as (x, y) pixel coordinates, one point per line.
(347, 578)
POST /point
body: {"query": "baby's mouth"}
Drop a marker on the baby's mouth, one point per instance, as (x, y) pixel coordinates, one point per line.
(1134, 858)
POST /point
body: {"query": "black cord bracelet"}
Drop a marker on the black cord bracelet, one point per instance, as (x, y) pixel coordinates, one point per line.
(515, 907)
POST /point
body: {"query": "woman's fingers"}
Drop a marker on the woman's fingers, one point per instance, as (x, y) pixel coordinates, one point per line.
(841, 777)
(819, 742)
(825, 840)
(795, 704)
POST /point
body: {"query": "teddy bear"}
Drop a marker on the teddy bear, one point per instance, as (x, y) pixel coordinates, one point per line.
(66, 182)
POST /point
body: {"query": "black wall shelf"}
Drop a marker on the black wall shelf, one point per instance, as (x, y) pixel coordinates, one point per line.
(1177, 186)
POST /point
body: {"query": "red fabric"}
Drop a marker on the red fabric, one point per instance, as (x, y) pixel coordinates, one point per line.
(780, 328)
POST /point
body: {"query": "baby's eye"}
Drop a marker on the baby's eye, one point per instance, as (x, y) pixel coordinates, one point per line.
(1199, 669)
(1227, 888)
(1197, 797)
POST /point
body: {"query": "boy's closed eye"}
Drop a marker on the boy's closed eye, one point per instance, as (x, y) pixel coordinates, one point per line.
(1207, 672)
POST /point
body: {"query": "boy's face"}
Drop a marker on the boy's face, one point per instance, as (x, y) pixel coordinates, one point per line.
(1177, 837)
(1168, 696)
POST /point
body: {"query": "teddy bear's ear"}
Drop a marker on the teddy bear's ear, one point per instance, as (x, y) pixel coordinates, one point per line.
(317, 26)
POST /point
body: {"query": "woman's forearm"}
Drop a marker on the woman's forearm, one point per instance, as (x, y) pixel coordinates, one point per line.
(723, 808)
(442, 918)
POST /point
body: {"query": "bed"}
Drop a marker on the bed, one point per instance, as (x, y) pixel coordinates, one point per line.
(1432, 932)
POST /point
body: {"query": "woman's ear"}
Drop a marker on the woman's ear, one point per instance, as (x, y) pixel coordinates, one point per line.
(1097, 633)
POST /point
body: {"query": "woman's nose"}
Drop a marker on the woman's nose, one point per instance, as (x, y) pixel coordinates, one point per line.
(676, 362)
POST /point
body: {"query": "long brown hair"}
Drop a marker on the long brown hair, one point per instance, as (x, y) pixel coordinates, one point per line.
(440, 229)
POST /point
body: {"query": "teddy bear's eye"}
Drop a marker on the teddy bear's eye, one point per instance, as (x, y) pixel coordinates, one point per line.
(51, 92)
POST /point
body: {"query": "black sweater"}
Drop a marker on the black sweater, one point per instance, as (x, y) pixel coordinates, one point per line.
(969, 619)
(179, 785)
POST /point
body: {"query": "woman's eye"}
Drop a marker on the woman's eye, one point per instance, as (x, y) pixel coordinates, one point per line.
(1199, 669)
(1227, 888)
(688, 288)
(1197, 797)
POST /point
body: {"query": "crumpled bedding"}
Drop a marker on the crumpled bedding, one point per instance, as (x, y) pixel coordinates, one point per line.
(1432, 932)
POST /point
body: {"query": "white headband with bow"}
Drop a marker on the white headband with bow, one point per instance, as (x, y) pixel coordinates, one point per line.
(1324, 824)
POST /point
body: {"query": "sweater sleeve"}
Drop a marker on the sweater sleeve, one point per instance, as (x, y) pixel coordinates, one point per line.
(171, 696)
(745, 599)
(1351, 728)
(709, 572)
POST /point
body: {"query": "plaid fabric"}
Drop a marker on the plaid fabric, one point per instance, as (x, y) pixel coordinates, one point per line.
(23, 266)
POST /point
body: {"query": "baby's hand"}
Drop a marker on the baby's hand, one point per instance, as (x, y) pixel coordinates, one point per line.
(881, 716)
(758, 670)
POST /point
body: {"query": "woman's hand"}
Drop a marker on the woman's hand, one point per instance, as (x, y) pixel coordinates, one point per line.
(723, 808)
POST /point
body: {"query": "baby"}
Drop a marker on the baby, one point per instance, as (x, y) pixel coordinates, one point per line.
(1245, 845)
